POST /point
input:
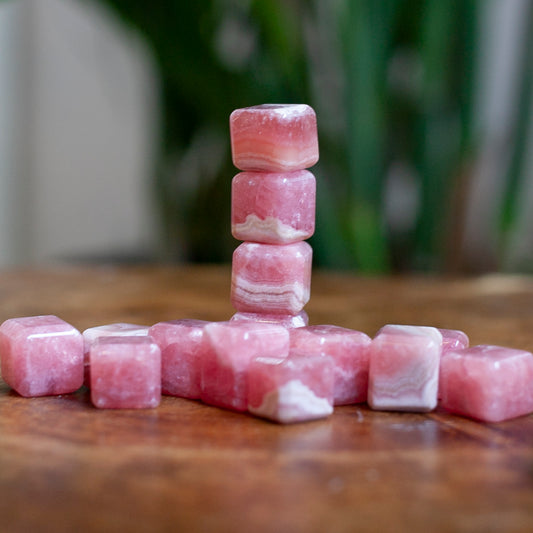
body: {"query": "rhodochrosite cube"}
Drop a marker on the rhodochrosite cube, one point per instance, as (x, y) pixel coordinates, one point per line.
(274, 137)
(488, 383)
(294, 389)
(349, 350)
(271, 278)
(404, 368)
(107, 330)
(41, 355)
(273, 208)
(182, 343)
(232, 347)
(289, 321)
(453, 339)
(125, 373)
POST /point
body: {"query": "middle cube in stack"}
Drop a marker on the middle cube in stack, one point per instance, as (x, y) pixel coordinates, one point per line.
(273, 209)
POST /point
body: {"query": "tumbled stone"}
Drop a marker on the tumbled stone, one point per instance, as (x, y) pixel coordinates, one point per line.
(182, 343)
(349, 349)
(125, 373)
(41, 355)
(274, 137)
(404, 368)
(295, 389)
(271, 278)
(273, 208)
(107, 330)
(231, 348)
(288, 321)
(487, 383)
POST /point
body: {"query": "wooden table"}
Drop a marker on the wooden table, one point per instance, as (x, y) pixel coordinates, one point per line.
(187, 467)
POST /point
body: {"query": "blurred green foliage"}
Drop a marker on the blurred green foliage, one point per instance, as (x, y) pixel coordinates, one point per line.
(392, 82)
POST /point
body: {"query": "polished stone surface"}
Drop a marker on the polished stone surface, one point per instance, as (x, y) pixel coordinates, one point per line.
(453, 339)
(118, 329)
(349, 349)
(125, 373)
(181, 342)
(288, 321)
(228, 354)
(270, 278)
(488, 383)
(41, 355)
(273, 208)
(295, 389)
(274, 137)
(404, 368)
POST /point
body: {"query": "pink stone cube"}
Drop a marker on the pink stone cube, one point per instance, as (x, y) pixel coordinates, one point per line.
(273, 208)
(182, 343)
(108, 330)
(294, 389)
(125, 373)
(271, 278)
(288, 321)
(232, 347)
(349, 350)
(453, 339)
(487, 383)
(274, 137)
(404, 368)
(41, 355)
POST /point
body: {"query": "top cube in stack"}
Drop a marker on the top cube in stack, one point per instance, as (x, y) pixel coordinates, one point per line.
(273, 210)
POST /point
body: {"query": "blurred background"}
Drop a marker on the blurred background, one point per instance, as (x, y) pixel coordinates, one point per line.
(114, 137)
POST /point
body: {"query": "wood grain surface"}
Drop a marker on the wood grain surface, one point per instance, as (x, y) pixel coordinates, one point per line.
(187, 467)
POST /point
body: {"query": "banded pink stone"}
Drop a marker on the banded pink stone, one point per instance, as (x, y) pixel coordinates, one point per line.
(274, 137)
(125, 372)
(487, 383)
(294, 389)
(118, 329)
(349, 350)
(404, 368)
(41, 355)
(271, 278)
(273, 208)
(288, 321)
(182, 343)
(231, 348)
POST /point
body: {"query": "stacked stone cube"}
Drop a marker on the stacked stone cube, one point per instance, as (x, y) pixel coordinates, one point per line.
(273, 211)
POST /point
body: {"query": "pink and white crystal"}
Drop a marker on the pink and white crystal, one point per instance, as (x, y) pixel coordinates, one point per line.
(487, 383)
(273, 208)
(295, 389)
(41, 355)
(271, 278)
(231, 348)
(182, 343)
(118, 329)
(125, 372)
(274, 137)
(349, 350)
(404, 368)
